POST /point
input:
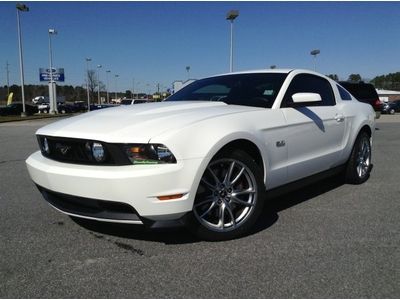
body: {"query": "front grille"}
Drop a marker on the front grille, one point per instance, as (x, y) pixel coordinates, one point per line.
(100, 209)
(78, 151)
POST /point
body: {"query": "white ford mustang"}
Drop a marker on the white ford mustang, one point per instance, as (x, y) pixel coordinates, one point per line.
(208, 154)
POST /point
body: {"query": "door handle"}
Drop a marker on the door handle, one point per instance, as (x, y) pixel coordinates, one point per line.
(339, 118)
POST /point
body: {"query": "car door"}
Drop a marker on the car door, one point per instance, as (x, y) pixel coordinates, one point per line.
(315, 130)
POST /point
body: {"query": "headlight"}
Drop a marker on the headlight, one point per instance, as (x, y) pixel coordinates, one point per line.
(141, 154)
(98, 152)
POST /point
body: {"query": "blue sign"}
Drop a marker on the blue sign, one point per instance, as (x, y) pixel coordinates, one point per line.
(57, 74)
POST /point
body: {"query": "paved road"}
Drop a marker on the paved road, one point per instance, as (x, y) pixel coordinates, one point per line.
(328, 240)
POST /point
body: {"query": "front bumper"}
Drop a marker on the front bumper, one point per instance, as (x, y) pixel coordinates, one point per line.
(137, 186)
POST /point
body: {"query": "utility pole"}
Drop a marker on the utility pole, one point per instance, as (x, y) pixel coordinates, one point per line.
(108, 84)
(87, 82)
(21, 7)
(116, 77)
(133, 88)
(8, 78)
(232, 15)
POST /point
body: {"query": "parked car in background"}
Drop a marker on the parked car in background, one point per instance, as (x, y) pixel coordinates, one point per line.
(100, 106)
(44, 108)
(364, 92)
(40, 99)
(133, 101)
(62, 108)
(16, 109)
(391, 107)
(80, 106)
(207, 155)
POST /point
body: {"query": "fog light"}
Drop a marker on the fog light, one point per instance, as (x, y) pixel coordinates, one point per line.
(98, 152)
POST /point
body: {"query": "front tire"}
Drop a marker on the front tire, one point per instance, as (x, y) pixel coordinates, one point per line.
(359, 165)
(229, 199)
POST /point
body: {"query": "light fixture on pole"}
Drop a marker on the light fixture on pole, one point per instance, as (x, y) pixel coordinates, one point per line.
(52, 84)
(188, 70)
(272, 67)
(116, 77)
(21, 7)
(232, 15)
(108, 96)
(87, 82)
(315, 53)
(98, 83)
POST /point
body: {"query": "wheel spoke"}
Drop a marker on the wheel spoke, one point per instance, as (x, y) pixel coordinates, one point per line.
(228, 208)
(209, 185)
(208, 199)
(221, 216)
(237, 176)
(228, 174)
(240, 201)
(217, 182)
(208, 210)
(248, 191)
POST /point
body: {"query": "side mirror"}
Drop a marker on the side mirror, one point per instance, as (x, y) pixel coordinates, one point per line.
(306, 97)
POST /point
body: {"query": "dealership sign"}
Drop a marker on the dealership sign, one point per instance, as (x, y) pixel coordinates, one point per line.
(58, 74)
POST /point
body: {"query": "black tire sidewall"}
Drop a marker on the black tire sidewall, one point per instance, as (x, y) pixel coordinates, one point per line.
(207, 234)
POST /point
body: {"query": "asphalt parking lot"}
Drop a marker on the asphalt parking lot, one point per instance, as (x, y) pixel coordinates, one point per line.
(328, 240)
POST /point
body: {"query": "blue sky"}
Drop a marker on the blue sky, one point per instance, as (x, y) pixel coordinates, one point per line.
(153, 42)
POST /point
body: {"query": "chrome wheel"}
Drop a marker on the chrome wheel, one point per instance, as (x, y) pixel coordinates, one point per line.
(226, 196)
(363, 158)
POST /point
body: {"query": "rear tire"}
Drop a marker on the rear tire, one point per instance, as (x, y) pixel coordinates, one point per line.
(392, 111)
(359, 166)
(229, 199)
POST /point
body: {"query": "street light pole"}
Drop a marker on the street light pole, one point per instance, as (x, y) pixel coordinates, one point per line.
(21, 7)
(108, 96)
(133, 88)
(87, 82)
(98, 83)
(52, 84)
(116, 77)
(8, 79)
(315, 53)
(232, 15)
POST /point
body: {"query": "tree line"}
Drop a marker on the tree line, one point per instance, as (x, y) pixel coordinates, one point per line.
(389, 81)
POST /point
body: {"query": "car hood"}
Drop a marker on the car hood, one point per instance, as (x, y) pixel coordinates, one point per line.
(140, 122)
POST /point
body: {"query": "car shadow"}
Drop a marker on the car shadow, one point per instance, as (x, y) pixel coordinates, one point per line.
(171, 235)
(180, 235)
(282, 200)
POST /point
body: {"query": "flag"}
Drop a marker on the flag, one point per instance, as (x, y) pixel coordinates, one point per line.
(10, 98)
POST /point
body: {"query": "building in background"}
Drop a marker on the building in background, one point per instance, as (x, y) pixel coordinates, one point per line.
(178, 84)
(387, 95)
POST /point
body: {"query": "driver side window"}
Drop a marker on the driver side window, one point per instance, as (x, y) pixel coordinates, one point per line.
(308, 83)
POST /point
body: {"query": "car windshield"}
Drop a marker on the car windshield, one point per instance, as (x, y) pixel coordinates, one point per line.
(257, 89)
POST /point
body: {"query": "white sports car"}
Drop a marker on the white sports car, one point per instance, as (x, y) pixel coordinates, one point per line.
(208, 154)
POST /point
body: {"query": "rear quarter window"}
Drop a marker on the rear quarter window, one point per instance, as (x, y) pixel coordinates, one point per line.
(344, 95)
